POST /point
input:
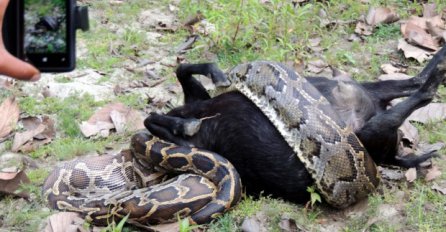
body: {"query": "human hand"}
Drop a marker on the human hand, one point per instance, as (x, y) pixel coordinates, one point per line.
(10, 65)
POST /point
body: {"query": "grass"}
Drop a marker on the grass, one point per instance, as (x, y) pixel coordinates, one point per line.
(275, 32)
(69, 112)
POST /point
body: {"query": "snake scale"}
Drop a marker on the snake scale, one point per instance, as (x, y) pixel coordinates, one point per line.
(104, 188)
(107, 188)
(342, 169)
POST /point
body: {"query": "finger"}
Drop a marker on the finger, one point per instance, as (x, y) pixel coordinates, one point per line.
(10, 65)
(13, 67)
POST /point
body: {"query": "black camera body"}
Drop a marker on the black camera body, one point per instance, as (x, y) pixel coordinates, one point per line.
(43, 32)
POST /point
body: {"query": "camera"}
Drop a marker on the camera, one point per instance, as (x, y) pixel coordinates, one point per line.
(43, 32)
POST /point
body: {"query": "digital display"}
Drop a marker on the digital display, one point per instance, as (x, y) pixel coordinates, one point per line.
(45, 26)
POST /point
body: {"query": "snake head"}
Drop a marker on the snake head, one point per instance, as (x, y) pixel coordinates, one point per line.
(138, 142)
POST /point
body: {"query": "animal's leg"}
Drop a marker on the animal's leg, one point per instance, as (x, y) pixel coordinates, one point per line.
(381, 131)
(385, 91)
(171, 128)
(193, 89)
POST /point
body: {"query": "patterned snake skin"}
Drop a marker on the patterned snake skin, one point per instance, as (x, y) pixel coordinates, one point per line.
(109, 187)
(333, 155)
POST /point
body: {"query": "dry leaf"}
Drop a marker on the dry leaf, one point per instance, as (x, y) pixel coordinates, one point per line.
(391, 173)
(436, 21)
(9, 115)
(255, 223)
(168, 227)
(410, 134)
(363, 28)
(429, 10)
(316, 66)
(315, 41)
(289, 225)
(250, 225)
(112, 116)
(21, 138)
(440, 188)
(380, 15)
(411, 51)
(340, 75)
(89, 129)
(6, 83)
(425, 148)
(431, 112)
(411, 174)
(436, 32)
(65, 222)
(34, 136)
(418, 36)
(432, 173)
(389, 69)
(394, 76)
(118, 120)
(12, 185)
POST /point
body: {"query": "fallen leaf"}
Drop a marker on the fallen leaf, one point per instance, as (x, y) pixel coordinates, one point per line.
(354, 38)
(89, 129)
(425, 148)
(6, 83)
(394, 76)
(418, 36)
(441, 188)
(12, 182)
(430, 112)
(65, 222)
(432, 173)
(186, 45)
(411, 51)
(9, 115)
(340, 75)
(410, 134)
(363, 28)
(316, 66)
(255, 223)
(315, 41)
(391, 173)
(421, 22)
(21, 138)
(436, 32)
(411, 174)
(33, 125)
(429, 10)
(118, 120)
(110, 116)
(290, 225)
(380, 15)
(389, 69)
(168, 227)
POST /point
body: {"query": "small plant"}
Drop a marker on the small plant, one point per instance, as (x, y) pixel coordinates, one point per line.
(112, 227)
(314, 196)
(185, 225)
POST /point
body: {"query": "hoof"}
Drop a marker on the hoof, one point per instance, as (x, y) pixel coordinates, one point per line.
(138, 142)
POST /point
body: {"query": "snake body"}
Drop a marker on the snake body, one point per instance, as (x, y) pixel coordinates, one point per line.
(337, 161)
(107, 188)
(110, 187)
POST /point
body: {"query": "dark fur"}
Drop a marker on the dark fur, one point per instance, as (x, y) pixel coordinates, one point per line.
(240, 132)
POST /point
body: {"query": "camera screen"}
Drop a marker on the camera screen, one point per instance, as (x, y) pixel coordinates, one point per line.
(45, 26)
